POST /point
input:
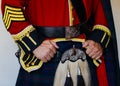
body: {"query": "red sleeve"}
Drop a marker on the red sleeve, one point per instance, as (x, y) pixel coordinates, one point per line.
(22, 31)
(24, 34)
(13, 15)
(99, 14)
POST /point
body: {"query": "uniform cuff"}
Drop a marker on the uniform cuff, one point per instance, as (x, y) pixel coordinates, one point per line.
(28, 39)
(101, 34)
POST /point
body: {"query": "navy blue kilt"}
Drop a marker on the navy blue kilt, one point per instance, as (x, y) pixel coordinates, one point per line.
(45, 75)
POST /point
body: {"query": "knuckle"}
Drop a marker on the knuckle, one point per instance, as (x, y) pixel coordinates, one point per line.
(48, 50)
(92, 42)
(96, 49)
(50, 46)
(90, 55)
(93, 57)
(48, 59)
(51, 55)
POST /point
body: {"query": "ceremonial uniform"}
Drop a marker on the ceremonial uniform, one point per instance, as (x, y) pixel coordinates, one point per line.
(25, 19)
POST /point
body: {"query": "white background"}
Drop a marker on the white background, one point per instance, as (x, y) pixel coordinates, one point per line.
(9, 65)
(116, 14)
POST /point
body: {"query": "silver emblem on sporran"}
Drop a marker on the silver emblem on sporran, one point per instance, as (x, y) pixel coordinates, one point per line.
(73, 63)
(73, 55)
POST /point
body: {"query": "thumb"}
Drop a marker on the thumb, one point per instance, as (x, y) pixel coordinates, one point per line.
(85, 44)
(54, 44)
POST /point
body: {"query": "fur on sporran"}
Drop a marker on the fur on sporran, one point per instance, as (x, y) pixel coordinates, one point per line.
(72, 68)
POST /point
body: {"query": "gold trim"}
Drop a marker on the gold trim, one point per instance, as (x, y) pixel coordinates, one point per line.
(34, 61)
(28, 68)
(70, 13)
(27, 58)
(12, 8)
(77, 40)
(30, 61)
(107, 42)
(103, 37)
(72, 39)
(25, 33)
(103, 28)
(25, 44)
(11, 18)
(12, 14)
(28, 35)
(106, 30)
(96, 63)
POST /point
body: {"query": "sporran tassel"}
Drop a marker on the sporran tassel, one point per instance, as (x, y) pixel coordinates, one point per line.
(68, 81)
(80, 80)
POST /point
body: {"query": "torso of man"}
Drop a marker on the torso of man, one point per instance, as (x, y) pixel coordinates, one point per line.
(51, 13)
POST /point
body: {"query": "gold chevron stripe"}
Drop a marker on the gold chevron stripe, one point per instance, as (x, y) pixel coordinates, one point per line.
(14, 19)
(12, 8)
(7, 16)
(9, 20)
(12, 14)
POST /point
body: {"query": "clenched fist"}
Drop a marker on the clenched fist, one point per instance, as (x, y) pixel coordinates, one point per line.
(46, 50)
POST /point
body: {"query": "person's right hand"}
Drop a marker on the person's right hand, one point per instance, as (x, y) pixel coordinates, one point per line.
(46, 50)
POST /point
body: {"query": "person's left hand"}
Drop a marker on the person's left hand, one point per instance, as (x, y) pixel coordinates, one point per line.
(93, 49)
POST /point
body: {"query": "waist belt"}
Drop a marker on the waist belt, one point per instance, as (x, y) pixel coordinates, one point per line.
(60, 32)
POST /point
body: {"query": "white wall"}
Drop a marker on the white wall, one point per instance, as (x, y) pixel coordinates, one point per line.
(116, 14)
(9, 65)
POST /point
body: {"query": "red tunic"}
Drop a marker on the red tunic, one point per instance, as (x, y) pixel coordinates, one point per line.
(19, 14)
(51, 13)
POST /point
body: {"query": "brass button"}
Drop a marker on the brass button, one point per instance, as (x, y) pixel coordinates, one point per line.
(71, 7)
(73, 18)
